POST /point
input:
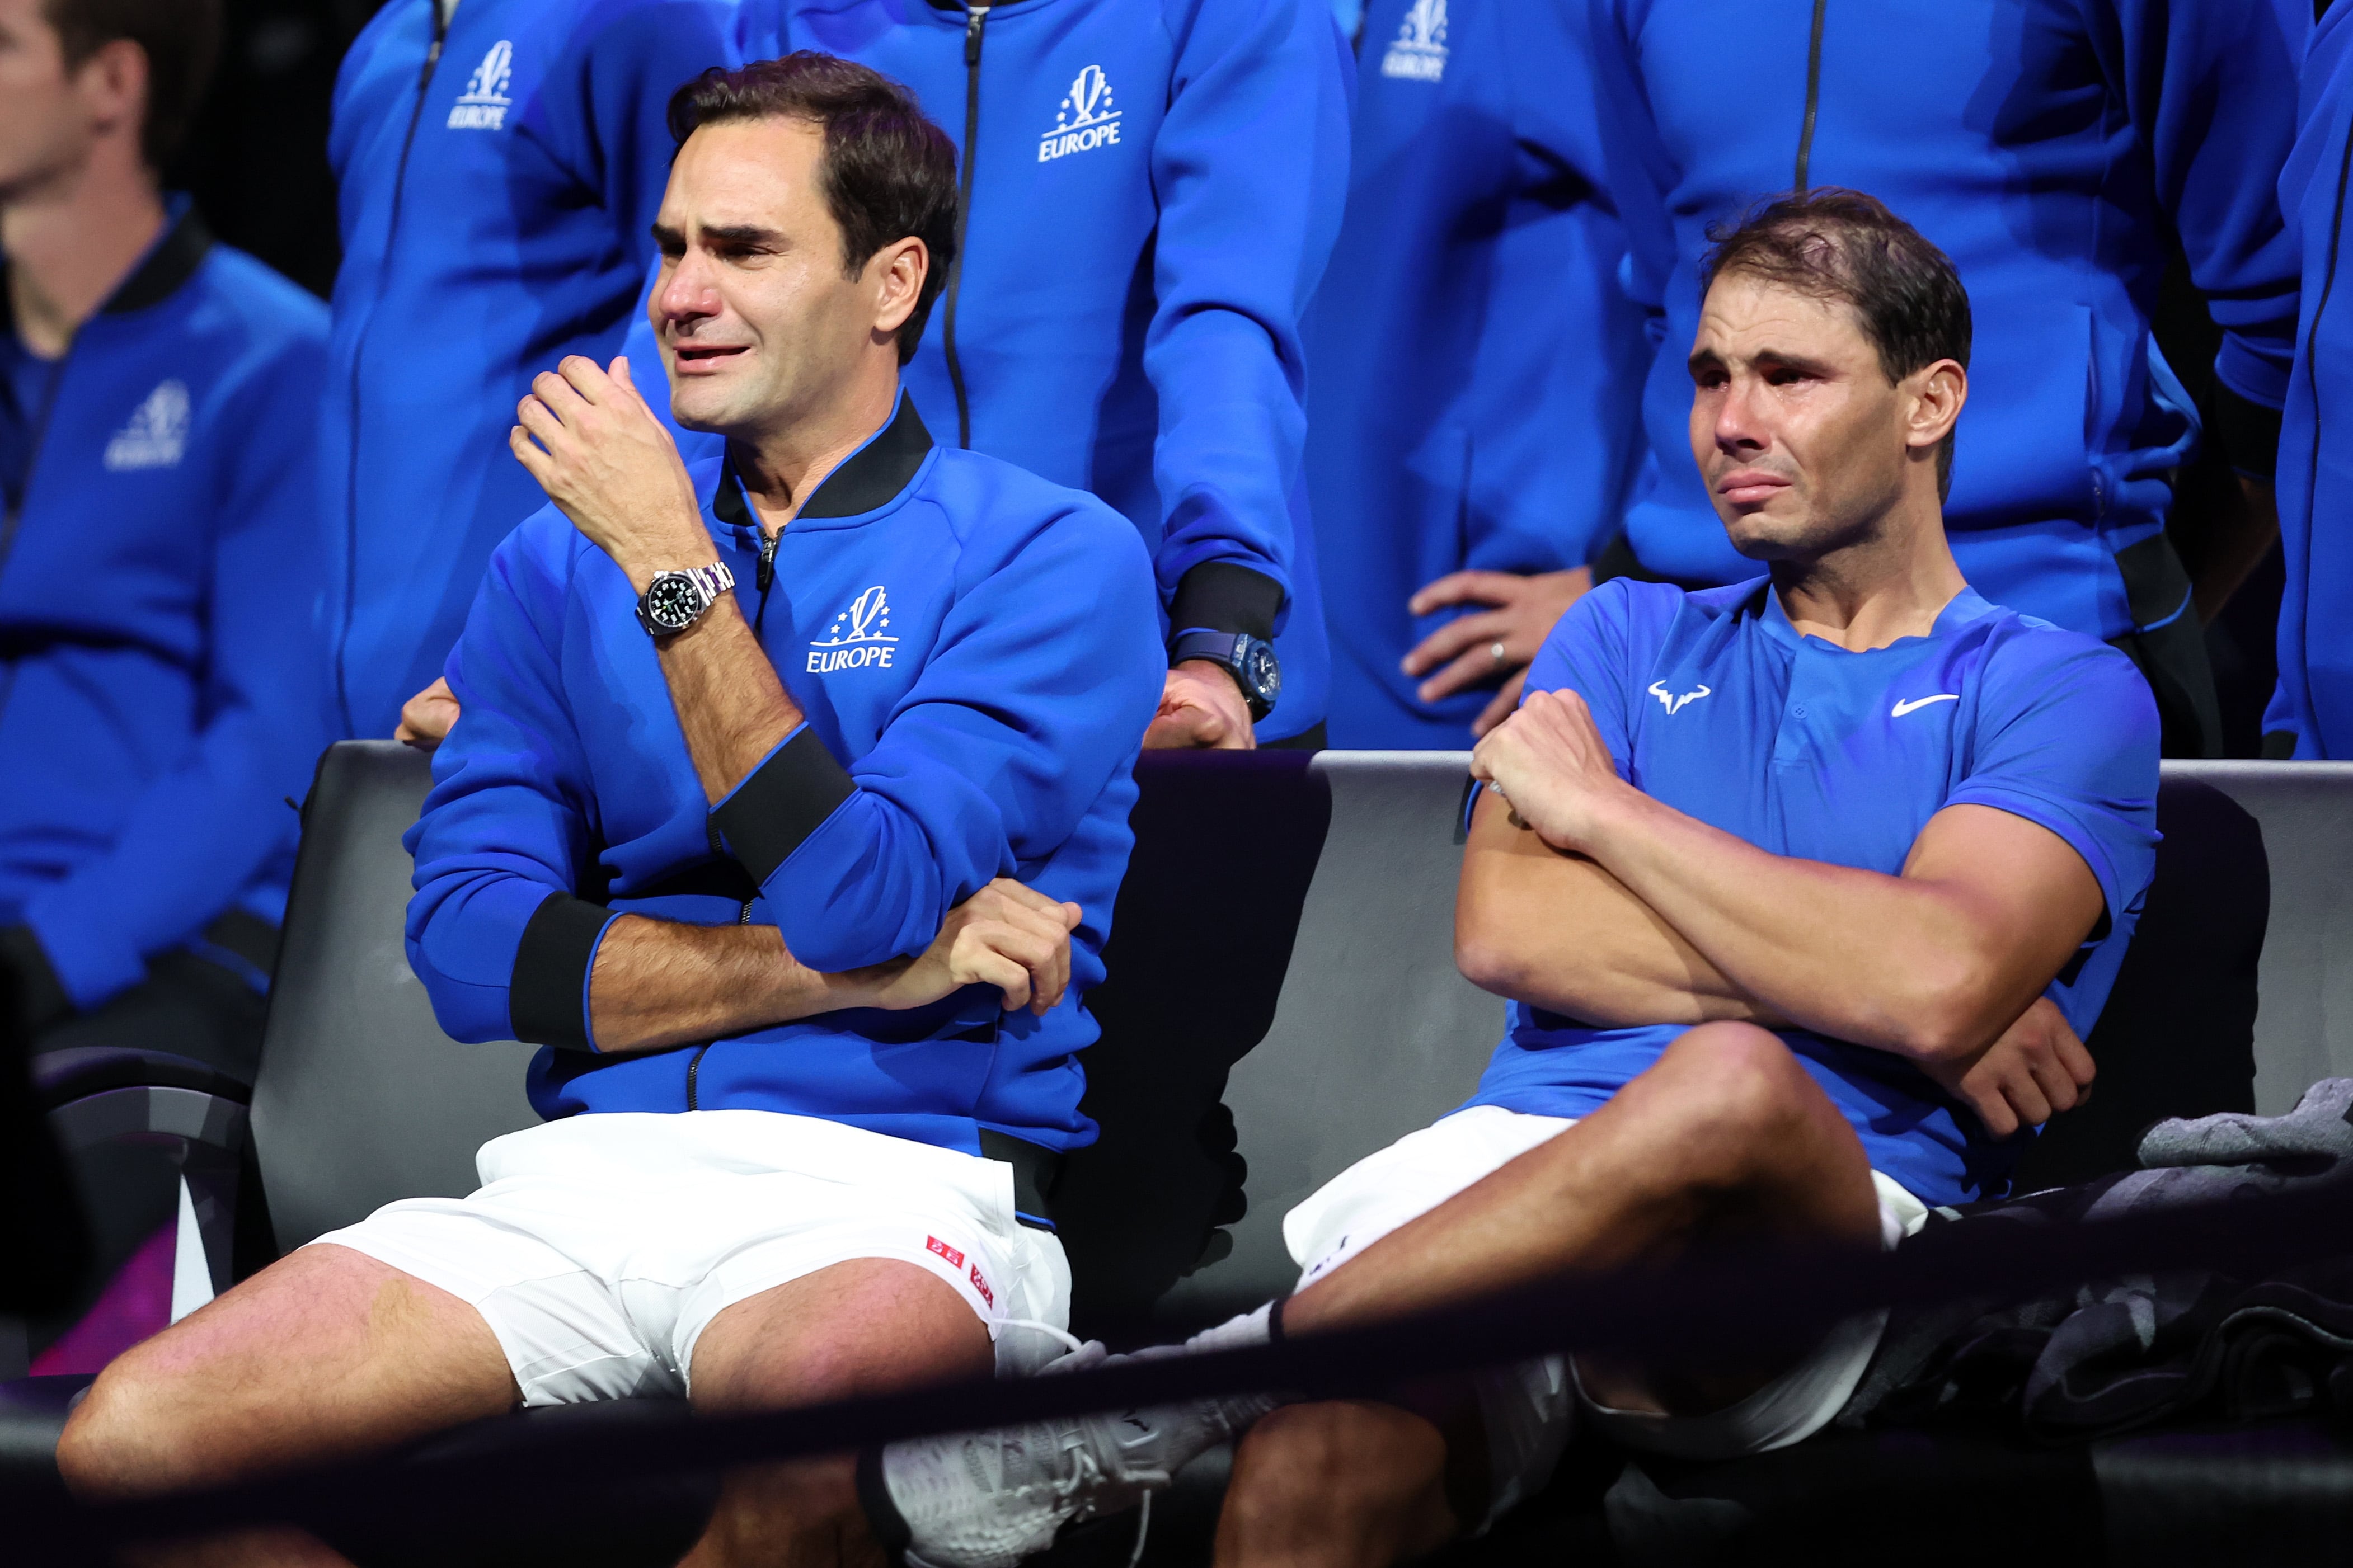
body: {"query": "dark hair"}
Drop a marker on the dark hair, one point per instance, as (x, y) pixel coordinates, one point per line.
(1842, 245)
(887, 172)
(180, 38)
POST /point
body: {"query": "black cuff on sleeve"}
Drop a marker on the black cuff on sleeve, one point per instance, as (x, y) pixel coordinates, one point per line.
(547, 996)
(782, 803)
(40, 998)
(2248, 432)
(1220, 596)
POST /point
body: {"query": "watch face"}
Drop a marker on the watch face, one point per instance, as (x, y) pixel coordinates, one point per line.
(1264, 673)
(672, 601)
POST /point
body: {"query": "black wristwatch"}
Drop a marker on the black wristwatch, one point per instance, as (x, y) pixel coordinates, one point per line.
(1250, 660)
(676, 600)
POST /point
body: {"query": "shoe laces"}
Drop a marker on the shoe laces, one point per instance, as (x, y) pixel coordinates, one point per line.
(1143, 1532)
(1070, 1341)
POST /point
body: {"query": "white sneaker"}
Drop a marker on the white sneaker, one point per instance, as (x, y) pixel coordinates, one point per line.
(987, 1499)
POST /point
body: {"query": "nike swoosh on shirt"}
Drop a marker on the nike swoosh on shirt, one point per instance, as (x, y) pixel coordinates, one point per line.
(1917, 703)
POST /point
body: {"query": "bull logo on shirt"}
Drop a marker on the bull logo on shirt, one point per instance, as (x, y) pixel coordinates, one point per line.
(484, 103)
(1419, 52)
(1085, 119)
(859, 637)
(1675, 702)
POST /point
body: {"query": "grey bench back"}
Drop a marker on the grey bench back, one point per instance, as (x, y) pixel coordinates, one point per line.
(1375, 1034)
(2305, 1030)
(360, 1098)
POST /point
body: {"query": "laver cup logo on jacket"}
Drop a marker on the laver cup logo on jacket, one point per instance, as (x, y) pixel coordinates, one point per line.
(859, 637)
(1419, 52)
(484, 103)
(1083, 121)
(157, 434)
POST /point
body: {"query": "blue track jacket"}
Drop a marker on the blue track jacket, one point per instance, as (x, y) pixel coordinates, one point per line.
(2311, 714)
(1155, 189)
(1472, 352)
(496, 191)
(974, 649)
(2050, 147)
(159, 586)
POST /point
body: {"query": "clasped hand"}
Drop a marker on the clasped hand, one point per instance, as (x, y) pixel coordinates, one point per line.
(609, 464)
(1007, 935)
(1549, 762)
(2026, 1075)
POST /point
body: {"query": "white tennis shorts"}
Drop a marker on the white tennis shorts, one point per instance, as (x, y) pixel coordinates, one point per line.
(1528, 1408)
(599, 1248)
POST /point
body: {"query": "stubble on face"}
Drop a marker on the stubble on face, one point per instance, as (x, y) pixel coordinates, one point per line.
(1795, 427)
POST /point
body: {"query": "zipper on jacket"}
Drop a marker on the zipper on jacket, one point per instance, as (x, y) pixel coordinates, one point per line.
(16, 516)
(765, 578)
(2311, 359)
(351, 476)
(1813, 98)
(9, 524)
(694, 1062)
(975, 19)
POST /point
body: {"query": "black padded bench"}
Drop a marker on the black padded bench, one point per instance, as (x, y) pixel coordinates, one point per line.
(1283, 1001)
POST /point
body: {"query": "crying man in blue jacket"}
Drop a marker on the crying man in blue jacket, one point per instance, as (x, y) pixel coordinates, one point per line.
(791, 792)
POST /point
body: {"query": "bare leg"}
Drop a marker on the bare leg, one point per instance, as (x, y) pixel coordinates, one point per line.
(326, 1354)
(1345, 1484)
(1726, 1131)
(863, 1327)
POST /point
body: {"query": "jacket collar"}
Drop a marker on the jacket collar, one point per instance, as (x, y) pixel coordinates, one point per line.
(871, 478)
(170, 262)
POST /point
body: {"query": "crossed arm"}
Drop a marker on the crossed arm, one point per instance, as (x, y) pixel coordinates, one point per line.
(603, 459)
(1583, 896)
(659, 983)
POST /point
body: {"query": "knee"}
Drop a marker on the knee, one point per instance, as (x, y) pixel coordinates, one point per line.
(119, 1441)
(1734, 1086)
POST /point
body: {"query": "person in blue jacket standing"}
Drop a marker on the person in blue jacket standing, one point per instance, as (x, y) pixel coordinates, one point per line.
(2056, 150)
(2311, 714)
(159, 568)
(1469, 421)
(497, 164)
(1150, 191)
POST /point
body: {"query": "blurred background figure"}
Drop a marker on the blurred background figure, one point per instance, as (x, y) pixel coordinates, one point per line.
(1471, 415)
(2311, 715)
(499, 163)
(1151, 190)
(159, 571)
(2060, 153)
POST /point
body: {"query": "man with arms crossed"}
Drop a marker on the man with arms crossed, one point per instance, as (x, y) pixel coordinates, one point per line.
(931, 682)
(1802, 889)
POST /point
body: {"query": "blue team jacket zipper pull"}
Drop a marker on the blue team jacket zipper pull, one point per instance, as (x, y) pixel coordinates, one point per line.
(766, 577)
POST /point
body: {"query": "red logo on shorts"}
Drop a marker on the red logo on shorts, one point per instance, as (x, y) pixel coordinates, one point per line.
(981, 1285)
(956, 1258)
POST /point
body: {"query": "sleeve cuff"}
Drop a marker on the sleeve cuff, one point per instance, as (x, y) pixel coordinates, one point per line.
(2248, 432)
(547, 997)
(2063, 824)
(1220, 596)
(780, 802)
(39, 997)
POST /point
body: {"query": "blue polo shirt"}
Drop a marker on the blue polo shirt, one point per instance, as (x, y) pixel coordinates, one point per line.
(1712, 703)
